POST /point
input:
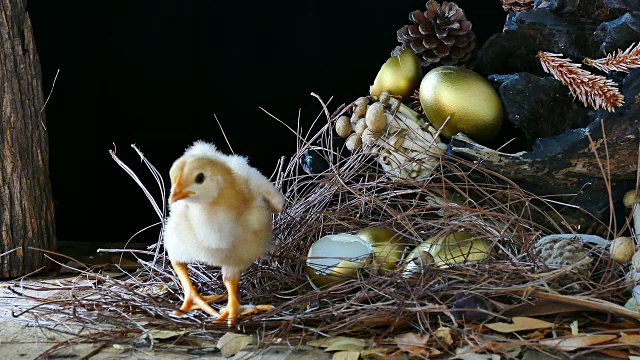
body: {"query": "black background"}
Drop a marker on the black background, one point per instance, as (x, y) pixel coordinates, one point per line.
(154, 73)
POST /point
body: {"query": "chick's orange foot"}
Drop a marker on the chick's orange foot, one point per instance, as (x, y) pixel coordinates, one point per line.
(192, 299)
(230, 312)
(195, 301)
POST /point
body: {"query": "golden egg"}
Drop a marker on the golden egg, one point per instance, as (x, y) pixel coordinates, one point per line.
(468, 98)
(388, 247)
(454, 248)
(400, 75)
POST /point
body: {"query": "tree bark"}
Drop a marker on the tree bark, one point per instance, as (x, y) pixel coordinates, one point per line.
(26, 201)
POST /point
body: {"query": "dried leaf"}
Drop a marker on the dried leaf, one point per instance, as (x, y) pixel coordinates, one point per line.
(378, 353)
(345, 346)
(577, 342)
(630, 339)
(165, 334)
(479, 357)
(520, 324)
(445, 335)
(346, 355)
(339, 343)
(412, 343)
(467, 353)
(620, 354)
(232, 343)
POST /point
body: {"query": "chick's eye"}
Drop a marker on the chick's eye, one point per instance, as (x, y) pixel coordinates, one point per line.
(199, 178)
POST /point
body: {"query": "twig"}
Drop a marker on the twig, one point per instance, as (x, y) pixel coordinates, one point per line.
(48, 97)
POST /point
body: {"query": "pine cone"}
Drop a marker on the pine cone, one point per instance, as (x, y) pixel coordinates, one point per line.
(560, 252)
(517, 5)
(440, 36)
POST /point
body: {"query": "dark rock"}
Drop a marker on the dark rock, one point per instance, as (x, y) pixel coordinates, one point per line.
(313, 162)
(618, 34)
(602, 10)
(527, 32)
(465, 303)
(539, 106)
(566, 166)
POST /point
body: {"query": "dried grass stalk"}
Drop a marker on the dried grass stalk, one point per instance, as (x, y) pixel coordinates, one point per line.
(619, 61)
(594, 90)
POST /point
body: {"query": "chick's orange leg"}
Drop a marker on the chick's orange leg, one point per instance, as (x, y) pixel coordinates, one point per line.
(230, 312)
(193, 300)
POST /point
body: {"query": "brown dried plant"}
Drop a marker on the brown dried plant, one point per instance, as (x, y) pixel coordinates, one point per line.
(517, 5)
(591, 89)
(618, 61)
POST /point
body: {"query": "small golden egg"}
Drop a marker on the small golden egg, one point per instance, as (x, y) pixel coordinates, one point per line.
(400, 75)
(468, 98)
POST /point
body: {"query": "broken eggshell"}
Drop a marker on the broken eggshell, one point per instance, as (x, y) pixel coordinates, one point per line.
(417, 259)
(336, 258)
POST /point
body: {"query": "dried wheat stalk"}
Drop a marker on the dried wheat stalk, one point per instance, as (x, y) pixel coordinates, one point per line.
(619, 61)
(591, 89)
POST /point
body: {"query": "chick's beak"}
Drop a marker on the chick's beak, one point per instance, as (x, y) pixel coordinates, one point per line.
(178, 192)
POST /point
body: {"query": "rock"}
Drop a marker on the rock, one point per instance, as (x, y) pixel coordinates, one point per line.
(471, 301)
(602, 10)
(527, 32)
(618, 34)
(539, 106)
(313, 162)
(316, 162)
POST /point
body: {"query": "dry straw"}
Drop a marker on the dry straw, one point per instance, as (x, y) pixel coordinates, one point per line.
(354, 193)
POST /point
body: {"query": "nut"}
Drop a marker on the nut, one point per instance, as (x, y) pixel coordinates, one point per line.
(361, 125)
(376, 118)
(353, 143)
(622, 249)
(630, 198)
(343, 126)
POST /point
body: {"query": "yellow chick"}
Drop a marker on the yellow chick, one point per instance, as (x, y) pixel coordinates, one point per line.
(220, 213)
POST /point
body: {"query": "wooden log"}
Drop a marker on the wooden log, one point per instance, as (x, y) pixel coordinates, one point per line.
(26, 201)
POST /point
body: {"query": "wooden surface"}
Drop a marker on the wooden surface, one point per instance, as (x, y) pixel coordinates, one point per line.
(26, 202)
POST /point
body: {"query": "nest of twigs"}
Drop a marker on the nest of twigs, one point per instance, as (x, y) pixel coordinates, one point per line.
(353, 194)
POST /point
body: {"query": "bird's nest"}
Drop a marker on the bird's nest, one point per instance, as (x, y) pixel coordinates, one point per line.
(353, 194)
